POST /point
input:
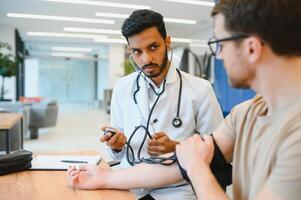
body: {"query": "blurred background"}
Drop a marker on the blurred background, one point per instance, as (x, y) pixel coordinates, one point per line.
(68, 54)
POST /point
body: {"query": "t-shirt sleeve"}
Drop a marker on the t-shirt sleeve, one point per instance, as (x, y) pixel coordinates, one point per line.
(285, 177)
(234, 123)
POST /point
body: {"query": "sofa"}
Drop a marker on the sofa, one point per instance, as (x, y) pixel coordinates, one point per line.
(43, 114)
(36, 115)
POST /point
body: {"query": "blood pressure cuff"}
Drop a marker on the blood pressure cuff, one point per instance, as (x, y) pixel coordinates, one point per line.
(219, 167)
(15, 162)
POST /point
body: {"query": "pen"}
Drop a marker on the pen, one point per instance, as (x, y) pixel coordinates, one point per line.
(74, 161)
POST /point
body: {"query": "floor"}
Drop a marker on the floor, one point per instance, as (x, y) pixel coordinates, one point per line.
(78, 128)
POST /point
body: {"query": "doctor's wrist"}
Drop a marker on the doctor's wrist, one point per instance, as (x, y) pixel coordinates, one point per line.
(116, 150)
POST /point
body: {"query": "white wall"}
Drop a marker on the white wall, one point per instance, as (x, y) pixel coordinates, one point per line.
(116, 64)
(7, 34)
(102, 67)
(110, 68)
(31, 77)
(204, 34)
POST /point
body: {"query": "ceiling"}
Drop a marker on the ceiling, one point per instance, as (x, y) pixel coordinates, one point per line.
(199, 31)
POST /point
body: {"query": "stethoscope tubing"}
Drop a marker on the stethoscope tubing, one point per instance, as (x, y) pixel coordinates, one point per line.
(177, 122)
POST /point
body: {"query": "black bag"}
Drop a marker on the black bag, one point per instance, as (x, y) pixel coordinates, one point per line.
(15, 162)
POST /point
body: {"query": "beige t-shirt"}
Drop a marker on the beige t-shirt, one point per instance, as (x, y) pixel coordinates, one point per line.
(267, 149)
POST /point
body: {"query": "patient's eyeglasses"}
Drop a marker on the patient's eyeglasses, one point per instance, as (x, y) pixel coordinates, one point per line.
(215, 45)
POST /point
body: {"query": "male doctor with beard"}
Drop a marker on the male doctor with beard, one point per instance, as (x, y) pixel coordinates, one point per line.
(157, 106)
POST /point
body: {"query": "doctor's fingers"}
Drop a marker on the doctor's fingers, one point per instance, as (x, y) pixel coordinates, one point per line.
(121, 140)
(104, 138)
(156, 149)
(159, 141)
(154, 153)
(159, 135)
(116, 140)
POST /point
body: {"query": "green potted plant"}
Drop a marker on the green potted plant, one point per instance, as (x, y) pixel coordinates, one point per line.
(8, 65)
(128, 68)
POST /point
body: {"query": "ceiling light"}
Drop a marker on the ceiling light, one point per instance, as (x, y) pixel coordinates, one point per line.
(101, 3)
(180, 21)
(73, 55)
(60, 18)
(186, 40)
(74, 49)
(194, 2)
(123, 16)
(68, 35)
(117, 41)
(113, 15)
(180, 40)
(92, 30)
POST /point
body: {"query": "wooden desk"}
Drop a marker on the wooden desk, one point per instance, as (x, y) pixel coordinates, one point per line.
(7, 122)
(52, 185)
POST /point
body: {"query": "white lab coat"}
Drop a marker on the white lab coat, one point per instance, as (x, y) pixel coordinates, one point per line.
(199, 112)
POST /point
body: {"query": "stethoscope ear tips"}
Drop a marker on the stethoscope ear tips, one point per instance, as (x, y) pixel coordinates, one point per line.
(177, 122)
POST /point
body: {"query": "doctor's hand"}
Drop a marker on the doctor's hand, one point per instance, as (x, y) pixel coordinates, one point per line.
(88, 177)
(195, 151)
(160, 144)
(115, 142)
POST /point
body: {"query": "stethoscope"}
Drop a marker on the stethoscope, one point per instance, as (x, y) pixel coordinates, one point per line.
(176, 122)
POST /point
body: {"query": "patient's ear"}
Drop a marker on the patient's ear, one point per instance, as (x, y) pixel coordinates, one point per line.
(254, 49)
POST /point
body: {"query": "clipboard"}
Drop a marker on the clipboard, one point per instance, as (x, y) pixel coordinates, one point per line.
(61, 162)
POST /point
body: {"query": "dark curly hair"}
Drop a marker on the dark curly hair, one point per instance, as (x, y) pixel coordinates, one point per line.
(140, 20)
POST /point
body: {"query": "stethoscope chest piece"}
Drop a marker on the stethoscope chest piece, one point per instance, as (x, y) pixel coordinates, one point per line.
(177, 122)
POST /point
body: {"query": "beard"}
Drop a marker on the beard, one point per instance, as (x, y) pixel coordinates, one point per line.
(239, 74)
(241, 80)
(239, 84)
(162, 67)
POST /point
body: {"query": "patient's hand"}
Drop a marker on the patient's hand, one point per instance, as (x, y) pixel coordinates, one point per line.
(87, 177)
(195, 150)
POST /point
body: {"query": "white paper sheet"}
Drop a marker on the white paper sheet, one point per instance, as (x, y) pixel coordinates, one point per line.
(56, 162)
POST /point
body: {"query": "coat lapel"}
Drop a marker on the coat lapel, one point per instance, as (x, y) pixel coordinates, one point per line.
(142, 98)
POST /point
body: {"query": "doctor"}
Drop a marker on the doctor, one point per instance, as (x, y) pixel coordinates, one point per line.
(158, 105)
